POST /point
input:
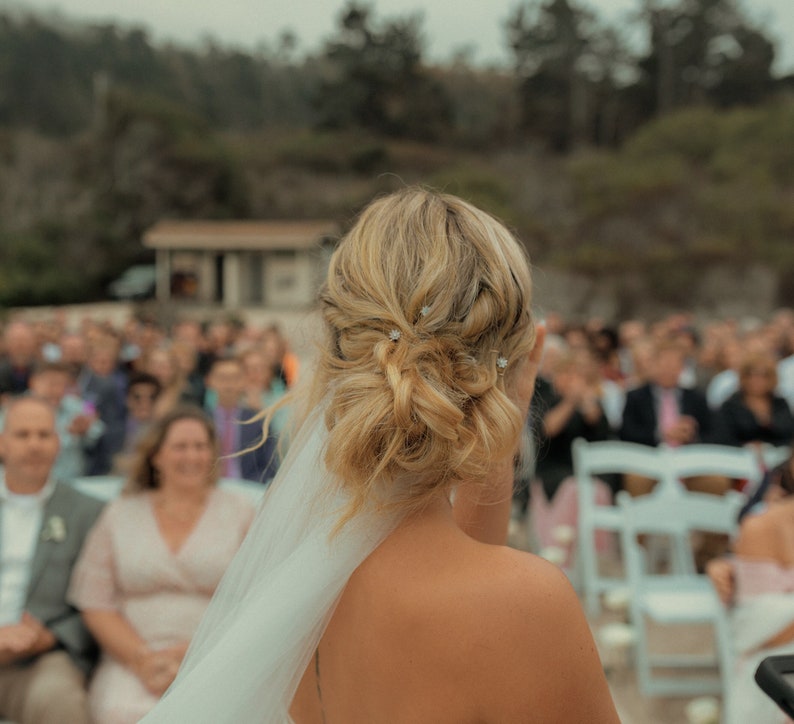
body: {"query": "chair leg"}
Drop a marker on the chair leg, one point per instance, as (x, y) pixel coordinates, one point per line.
(642, 665)
(723, 641)
(587, 563)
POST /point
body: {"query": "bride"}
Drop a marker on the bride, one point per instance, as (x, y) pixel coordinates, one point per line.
(362, 593)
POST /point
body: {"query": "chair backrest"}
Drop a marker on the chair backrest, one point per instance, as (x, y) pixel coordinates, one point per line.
(773, 456)
(594, 459)
(675, 516)
(108, 487)
(685, 513)
(101, 487)
(591, 459)
(704, 459)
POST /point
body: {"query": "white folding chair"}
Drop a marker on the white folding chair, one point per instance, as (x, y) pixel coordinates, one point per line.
(591, 460)
(677, 598)
(101, 487)
(740, 463)
(774, 455)
(687, 461)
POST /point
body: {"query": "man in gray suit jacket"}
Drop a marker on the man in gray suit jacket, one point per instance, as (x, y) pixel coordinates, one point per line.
(45, 651)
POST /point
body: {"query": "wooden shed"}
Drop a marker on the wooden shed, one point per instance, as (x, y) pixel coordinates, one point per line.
(275, 264)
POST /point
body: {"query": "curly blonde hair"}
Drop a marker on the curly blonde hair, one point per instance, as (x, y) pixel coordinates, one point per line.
(427, 311)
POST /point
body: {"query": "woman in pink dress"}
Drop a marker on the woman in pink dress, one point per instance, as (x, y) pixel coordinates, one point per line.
(152, 562)
(758, 585)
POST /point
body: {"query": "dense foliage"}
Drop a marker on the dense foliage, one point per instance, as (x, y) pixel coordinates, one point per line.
(605, 160)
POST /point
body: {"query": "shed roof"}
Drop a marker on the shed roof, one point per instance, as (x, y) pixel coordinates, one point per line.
(239, 235)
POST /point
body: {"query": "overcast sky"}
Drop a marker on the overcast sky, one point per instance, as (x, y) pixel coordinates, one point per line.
(447, 25)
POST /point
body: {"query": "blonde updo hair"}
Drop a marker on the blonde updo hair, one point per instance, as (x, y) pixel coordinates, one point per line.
(427, 310)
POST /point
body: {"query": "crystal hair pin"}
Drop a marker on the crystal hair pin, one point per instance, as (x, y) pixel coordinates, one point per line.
(394, 335)
(501, 362)
(424, 311)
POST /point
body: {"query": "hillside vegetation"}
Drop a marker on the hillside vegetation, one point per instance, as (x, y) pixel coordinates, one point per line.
(604, 163)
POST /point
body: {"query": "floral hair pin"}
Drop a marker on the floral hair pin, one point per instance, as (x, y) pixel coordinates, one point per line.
(501, 363)
(394, 335)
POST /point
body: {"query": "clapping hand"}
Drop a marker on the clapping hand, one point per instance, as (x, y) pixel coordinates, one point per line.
(80, 424)
(682, 432)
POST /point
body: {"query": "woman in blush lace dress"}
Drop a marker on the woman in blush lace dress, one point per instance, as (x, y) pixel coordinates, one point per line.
(152, 562)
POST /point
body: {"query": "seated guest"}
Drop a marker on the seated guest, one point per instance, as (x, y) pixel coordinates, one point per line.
(45, 651)
(19, 355)
(76, 420)
(152, 562)
(606, 345)
(164, 365)
(755, 414)
(611, 394)
(102, 382)
(237, 431)
(569, 408)
(641, 354)
(629, 332)
(187, 359)
(554, 349)
(732, 350)
(142, 392)
(262, 387)
(284, 361)
(74, 352)
(661, 411)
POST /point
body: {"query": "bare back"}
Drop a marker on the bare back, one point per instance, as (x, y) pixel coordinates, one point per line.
(436, 627)
(769, 535)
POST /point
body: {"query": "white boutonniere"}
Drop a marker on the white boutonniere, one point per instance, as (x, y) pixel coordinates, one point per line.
(54, 529)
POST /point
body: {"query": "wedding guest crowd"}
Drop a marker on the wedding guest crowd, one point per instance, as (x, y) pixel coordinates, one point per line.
(104, 398)
(172, 412)
(107, 383)
(671, 382)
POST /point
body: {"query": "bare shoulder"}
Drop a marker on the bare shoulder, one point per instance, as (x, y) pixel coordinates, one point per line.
(527, 573)
(497, 632)
(760, 534)
(537, 646)
(529, 594)
(518, 582)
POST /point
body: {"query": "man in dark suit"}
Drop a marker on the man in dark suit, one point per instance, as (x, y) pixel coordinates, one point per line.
(244, 453)
(45, 651)
(662, 411)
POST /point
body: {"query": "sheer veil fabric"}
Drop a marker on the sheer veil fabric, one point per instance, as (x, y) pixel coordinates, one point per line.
(265, 621)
